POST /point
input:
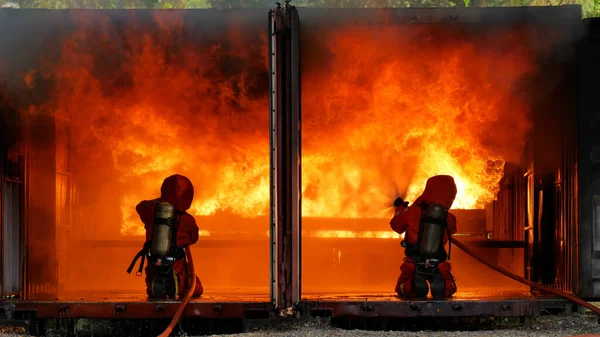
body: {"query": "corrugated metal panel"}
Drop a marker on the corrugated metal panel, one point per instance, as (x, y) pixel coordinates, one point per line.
(63, 226)
(567, 228)
(509, 216)
(588, 149)
(63, 212)
(566, 210)
(12, 237)
(40, 222)
(566, 225)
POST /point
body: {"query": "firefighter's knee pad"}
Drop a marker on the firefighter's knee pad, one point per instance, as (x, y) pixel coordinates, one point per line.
(406, 289)
(405, 286)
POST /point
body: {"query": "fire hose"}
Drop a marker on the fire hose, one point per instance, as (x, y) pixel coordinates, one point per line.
(191, 273)
(505, 272)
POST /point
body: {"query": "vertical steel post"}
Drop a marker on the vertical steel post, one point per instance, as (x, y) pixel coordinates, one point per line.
(2, 224)
(273, 155)
(296, 155)
(285, 144)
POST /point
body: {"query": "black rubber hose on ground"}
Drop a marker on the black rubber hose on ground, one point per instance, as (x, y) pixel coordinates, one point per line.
(505, 272)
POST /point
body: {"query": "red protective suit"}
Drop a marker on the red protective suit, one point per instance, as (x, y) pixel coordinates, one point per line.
(438, 190)
(179, 192)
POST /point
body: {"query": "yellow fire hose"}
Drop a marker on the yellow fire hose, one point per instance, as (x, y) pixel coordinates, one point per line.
(192, 274)
(505, 272)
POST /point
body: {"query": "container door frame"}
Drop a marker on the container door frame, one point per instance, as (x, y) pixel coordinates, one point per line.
(285, 159)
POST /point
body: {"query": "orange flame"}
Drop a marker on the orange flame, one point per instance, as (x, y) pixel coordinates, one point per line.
(383, 111)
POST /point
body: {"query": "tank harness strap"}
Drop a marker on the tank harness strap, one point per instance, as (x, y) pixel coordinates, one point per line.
(141, 254)
(173, 222)
(449, 242)
(168, 222)
(423, 207)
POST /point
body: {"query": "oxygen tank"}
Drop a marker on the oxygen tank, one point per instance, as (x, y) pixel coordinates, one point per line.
(434, 223)
(162, 231)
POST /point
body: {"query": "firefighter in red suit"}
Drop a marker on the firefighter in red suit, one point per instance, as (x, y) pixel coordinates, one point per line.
(419, 272)
(169, 278)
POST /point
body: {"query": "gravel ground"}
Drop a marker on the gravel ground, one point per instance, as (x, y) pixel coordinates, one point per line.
(550, 326)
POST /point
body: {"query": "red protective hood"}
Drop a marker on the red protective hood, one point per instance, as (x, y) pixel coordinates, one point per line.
(178, 191)
(439, 190)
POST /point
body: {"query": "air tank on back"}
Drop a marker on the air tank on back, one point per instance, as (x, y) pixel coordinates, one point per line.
(433, 230)
(162, 231)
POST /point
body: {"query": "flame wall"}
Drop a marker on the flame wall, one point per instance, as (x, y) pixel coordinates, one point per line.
(127, 98)
(392, 97)
(115, 101)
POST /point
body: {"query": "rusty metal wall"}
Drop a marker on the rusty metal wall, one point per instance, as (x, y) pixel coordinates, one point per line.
(64, 183)
(12, 177)
(509, 216)
(552, 216)
(41, 262)
(566, 214)
(562, 196)
(12, 235)
(589, 162)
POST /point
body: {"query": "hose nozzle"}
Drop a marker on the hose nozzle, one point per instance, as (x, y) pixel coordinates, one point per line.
(399, 202)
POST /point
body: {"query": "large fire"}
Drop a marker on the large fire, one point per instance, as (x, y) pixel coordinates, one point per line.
(382, 111)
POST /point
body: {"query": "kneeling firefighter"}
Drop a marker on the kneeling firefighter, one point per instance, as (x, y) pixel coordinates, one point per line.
(427, 225)
(169, 229)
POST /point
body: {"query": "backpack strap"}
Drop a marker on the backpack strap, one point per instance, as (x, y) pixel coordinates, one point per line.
(141, 254)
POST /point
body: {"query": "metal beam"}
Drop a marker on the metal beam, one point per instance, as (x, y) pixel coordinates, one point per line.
(296, 154)
(272, 158)
(338, 308)
(438, 309)
(499, 243)
(285, 158)
(340, 17)
(138, 309)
